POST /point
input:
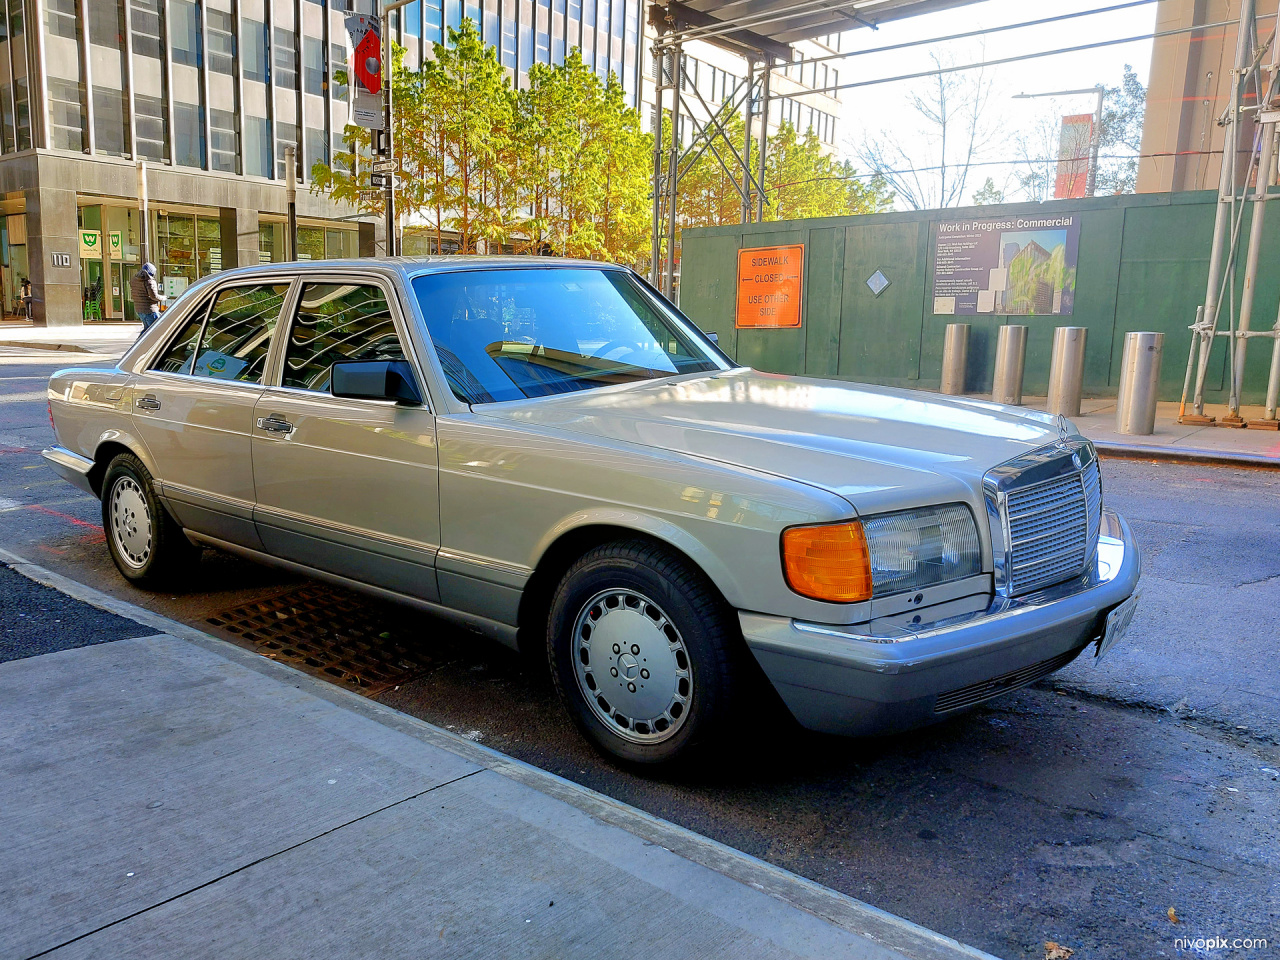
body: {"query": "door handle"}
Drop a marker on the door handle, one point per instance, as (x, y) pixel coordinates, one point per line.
(275, 425)
(147, 403)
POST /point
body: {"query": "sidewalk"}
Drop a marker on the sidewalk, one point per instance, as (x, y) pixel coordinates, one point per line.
(100, 339)
(171, 795)
(1173, 440)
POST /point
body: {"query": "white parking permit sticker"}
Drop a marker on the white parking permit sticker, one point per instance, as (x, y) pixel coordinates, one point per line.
(1118, 621)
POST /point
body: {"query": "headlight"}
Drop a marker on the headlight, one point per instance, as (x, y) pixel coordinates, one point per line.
(889, 553)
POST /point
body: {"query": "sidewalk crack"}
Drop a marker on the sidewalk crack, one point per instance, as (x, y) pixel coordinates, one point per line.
(254, 863)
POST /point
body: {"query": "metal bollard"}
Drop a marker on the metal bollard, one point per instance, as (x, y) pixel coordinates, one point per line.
(1066, 371)
(955, 358)
(1139, 383)
(1011, 358)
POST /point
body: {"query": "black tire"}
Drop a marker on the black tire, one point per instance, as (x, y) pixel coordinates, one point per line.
(653, 584)
(146, 543)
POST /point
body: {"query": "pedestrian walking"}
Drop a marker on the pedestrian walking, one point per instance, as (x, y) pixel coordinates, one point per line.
(146, 295)
(26, 297)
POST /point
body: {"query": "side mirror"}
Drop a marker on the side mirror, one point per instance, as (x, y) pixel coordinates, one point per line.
(374, 380)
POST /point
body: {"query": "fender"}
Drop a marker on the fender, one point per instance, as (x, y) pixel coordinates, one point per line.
(659, 529)
(134, 444)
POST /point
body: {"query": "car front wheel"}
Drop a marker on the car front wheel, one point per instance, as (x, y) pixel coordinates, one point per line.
(147, 544)
(643, 652)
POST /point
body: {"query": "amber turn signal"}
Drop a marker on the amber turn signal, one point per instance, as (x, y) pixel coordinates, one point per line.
(828, 562)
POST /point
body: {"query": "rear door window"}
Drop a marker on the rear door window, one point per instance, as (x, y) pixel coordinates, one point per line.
(237, 334)
(337, 321)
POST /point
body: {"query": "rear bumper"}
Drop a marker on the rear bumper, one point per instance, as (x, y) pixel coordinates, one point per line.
(889, 675)
(70, 467)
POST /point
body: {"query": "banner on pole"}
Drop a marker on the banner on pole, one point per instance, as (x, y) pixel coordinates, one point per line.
(366, 69)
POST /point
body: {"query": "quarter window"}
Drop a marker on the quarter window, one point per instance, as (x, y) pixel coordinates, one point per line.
(237, 334)
(177, 359)
(338, 321)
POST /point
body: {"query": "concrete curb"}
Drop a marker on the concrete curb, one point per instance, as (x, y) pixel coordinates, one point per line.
(862, 919)
(1135, 451)
(46, 345)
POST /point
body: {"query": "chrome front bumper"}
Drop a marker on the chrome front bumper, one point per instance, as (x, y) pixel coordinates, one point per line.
(894, 674)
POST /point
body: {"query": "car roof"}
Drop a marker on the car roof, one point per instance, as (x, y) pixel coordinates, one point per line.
(411, 267)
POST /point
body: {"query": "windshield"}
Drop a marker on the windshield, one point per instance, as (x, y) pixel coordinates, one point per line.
(512, 334)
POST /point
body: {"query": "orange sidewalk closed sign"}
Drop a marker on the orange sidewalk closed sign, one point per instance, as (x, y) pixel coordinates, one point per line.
(769, 284)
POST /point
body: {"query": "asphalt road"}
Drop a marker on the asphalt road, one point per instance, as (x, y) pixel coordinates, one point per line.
(1078, 811)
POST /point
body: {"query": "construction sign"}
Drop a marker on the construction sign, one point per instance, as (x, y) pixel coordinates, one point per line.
(770, 280)
(366, 70)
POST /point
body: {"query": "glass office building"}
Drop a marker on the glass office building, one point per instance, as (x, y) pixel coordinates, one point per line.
(209, 93)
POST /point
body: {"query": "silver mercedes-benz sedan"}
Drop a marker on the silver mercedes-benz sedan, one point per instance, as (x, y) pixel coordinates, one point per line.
(550, 453)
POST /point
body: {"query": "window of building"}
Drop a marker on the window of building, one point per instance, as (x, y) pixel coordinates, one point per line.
(147, 36)
(188, 134)
(222, 41)
(452, 14)
(16, 18)
(184, 32)
(317, 151)
(413, 19)
(286, 59)
(66, 114)
(286, 136)
(237, 334)
(313, 67)
(150, 127)
(60, 17)
(224, 141)
(22, 107)
(341, 244)
(106, 23)
(7, 129)
(257, 147)
(435, 24)
(509, 40)
(110, 121)
(256, 62)
(337, 322)
(337, 63)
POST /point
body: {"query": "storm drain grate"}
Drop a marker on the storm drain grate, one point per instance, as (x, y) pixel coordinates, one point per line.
(331, 633)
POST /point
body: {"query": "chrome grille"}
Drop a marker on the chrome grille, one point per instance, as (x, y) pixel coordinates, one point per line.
(1052, 528)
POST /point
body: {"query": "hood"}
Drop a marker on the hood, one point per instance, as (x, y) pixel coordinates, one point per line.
(880, 448)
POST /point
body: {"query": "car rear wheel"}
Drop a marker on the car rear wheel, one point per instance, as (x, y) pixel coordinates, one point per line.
(147, 544)
(643, 652)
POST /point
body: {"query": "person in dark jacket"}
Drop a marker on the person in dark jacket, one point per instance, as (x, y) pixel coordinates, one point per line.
(146, 295)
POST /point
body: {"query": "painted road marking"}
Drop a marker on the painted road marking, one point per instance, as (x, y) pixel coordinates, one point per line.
(7, 504)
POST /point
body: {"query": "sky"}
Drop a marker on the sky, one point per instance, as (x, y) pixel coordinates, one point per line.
(869, 110)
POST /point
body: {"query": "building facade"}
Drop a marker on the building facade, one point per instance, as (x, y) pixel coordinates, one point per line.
(209, 93)
(1190, 87)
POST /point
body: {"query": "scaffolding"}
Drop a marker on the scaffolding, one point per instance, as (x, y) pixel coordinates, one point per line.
(761, 31)
(1248, 77)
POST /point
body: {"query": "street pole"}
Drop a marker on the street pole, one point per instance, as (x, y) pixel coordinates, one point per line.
(291, 200)
(393, 246)
(142, 213)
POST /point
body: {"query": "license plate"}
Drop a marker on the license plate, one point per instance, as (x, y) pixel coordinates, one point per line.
(1118, 621)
